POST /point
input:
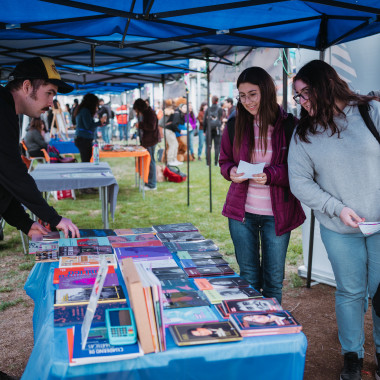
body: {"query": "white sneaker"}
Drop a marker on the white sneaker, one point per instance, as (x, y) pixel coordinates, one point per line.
(147, 188)
(175, 163)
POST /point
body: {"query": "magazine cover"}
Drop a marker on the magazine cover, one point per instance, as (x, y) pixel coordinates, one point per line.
(60, 273)
(217, 296)
(176, 285)
(86, 281)
(146, 253)
(91, 232)
(142, 240)
(204, 333)
(180, 236)
(227, 282)
(202, 262)
(209, 271)
(87, 260)
(87, 242)
(203, 245)
(90, 250)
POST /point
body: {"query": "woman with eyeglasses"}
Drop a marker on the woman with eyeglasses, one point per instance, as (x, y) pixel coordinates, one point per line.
(334, 167)
(261, 210)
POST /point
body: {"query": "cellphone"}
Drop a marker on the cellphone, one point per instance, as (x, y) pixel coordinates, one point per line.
(121, 326)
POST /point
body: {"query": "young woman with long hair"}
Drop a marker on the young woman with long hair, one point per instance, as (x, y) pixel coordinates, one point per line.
(334, 166)
(261, 210)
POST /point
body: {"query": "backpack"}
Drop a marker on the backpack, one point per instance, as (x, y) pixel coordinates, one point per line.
(215, 122)
(173, 174)
(55, 156)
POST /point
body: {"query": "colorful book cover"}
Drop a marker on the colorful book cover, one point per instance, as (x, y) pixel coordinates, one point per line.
(182, 284)
(83, 242)
(189, 315)
(150, 264)
(74, 314)
(203, 245)
(184, 299)
(82, 295)
(266, 323)
(151, 253)
(39, 246)
(86, 281)
(252, 305)
(99, 350)
(217, 296)
(47, 256)
(60, 273)
(88, 250)
(175, 227)
(168, 272)
(180, 236)
(135, 231)
(204, 333)
(52, 235)
(88, 260)
(142, 240)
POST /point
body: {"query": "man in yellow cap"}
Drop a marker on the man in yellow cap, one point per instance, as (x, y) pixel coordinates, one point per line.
(30, 91)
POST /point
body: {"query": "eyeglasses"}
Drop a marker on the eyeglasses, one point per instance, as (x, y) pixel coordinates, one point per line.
(304, 94)
(247, 98)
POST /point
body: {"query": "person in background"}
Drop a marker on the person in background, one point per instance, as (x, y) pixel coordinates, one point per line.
(86, 126)
(214, 123)
(201, 135)
(75, 105)
(122, 121)
(261, 210)
(30, 91)
(35, 138)
(192, 128)
(147, 123)
(334, 166)
(170, 134)
(105, 110)
(67, 116)
(228, 106)
(58, 124)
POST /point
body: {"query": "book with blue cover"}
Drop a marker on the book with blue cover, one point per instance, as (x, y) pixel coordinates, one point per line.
(198, 255)
(184, 299)
(189, 315)
(202, 262)
(174, 227)
(83, 242)
(97, 349)
(143, 253)
(141, 240)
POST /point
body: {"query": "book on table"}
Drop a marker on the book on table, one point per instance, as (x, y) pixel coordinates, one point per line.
(69, 315)
(86, 281)
(135, 231)
(171, 285)
(175, 227)
(184, 299)
(202, 245)
(266, 323)
(85, 250)
(85, 260)
(204, 333)
(189, 315)
(180, 236)
(60, 273)
(142, 240)
(220, 283)
(221, 270)
(97, 349)
(137, 299)
(83, 242)
(198, 254)
(251, 305)
(89, 232)
(143, 253)
(202, 262)
(74, 296)
(217, 296)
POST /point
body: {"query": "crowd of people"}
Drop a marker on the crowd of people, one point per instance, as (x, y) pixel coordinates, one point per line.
(329, 159)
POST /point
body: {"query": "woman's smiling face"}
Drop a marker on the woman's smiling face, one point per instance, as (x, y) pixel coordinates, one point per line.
(250, 96)
(303, 96)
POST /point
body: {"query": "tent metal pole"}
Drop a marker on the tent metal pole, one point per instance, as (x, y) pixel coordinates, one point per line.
(164, 116)
(208, 132)
(188, 143)
(285, 70)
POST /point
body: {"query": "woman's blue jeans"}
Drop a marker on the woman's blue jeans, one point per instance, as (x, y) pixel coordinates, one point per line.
(201, 141)
(355, 260)
(264, 272)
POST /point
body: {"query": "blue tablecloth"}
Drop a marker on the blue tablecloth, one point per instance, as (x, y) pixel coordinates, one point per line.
(64, 146)
(260, 358)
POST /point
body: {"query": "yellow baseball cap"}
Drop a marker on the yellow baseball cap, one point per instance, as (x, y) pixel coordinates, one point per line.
(40, 68)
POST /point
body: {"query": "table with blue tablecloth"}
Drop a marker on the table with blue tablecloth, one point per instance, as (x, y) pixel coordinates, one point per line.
(260, 358)
(64, 146)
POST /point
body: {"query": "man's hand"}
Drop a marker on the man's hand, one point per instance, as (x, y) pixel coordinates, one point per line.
(350, 218)
(37, 229)
(67, 225)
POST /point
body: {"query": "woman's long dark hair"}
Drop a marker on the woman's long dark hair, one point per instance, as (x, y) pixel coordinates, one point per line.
(326, 88)
(267, 112)
(89, 101)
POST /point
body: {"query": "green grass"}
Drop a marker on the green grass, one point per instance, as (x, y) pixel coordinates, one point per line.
(169, 204)
(6, 304)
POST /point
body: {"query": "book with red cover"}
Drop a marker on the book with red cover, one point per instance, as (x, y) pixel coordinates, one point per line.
(78, 271)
